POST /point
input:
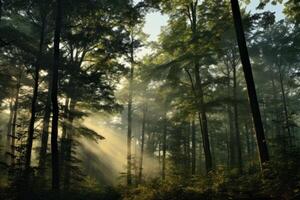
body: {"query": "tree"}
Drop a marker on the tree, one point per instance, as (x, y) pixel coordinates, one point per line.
(55, 110)
(259, 130)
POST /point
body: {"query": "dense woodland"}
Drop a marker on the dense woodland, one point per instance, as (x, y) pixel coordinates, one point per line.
(209, 111)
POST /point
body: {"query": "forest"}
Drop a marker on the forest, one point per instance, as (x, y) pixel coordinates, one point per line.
(91, 109)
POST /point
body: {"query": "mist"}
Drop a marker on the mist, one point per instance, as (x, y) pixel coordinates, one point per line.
(106, 159)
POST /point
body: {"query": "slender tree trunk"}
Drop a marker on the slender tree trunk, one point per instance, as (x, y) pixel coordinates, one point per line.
(55, 110)
(213, 149)
(129, 130)
(276, 112)
(192, 17)
(284, 100)
(187, 149)
(193, 131)
(66, 118)
(159, 155)
(228, 148)
(232, 147)
(142, 144)
(9, 126)
(259, 130)
(68, 147)
(200, 167)
(164, 143)
(203, 121)
(236, 123)
(247, 133)
(14, 121)
(231, 136)
(34, 100)
(64, 139)
(45, 133)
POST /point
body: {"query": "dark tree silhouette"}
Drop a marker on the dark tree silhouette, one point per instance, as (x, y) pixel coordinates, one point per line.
(55, 109)
(259, 130)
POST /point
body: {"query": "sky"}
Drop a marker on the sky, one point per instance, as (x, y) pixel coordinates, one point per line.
(155, 20)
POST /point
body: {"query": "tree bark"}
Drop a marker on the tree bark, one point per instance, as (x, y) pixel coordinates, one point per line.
(68, 143)
(236, 123)
(187, 149)
(9, 127)
(164, 144)
(142, 144)
(34, 100)
(259, 130)
(45, 133)
(285, 109)
(129, 130)
(14, 121)
(203, 121)
(192, 15)
(193, 147)
(232, 147)
(55, 110)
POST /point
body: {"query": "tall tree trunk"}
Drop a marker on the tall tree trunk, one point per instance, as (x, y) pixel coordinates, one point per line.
(159, 155)
(192, 17)
(276, 112)
(232, 147)
(259, 130)
(45, 133)
(65, 117)
(248, 142)
(14, 121)
(203, 120)
(193, 131)
(142, 144)
(213, 149)
(34, 100)
(55, 110)
(64, 139)
(187, 149)
(164, 144)
(228, 148)
(236, 122)
(9, 127)
(284, 100)
(68, 147)
(129, 130)
(231, 136)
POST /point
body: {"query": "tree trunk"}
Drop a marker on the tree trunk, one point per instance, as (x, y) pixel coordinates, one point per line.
(34, 100)
(142, 144)
(164, 144)
(193, 147)
(284, 100)
(129, 130)
(68, 147)
(9, 127)
(65, 118)
(236, 123)
(55, 110)
(14, 121)
(45, 133)
(64, 140)
(203, 120)
(248, 142)
(276, 112)
(259, 130)
(187, 149)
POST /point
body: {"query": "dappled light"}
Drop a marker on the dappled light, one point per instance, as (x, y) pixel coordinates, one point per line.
(149, 99)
